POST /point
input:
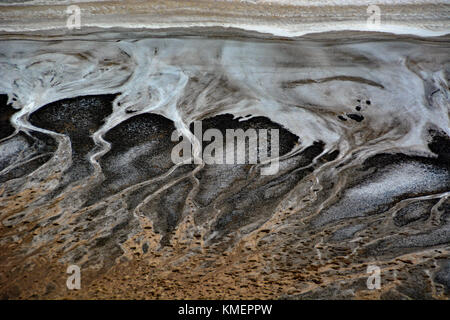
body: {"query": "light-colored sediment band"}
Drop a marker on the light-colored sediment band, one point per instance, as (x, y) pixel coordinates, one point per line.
(279, 18)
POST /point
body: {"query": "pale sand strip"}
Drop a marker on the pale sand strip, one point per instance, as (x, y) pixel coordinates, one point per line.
(279, 18)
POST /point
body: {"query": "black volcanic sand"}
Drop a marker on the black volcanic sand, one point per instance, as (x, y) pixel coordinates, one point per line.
(6, 111)
(78, 118)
